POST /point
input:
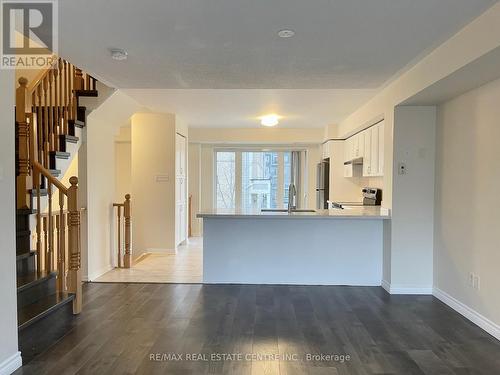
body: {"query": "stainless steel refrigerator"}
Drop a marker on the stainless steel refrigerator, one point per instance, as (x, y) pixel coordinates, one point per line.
(322, 184)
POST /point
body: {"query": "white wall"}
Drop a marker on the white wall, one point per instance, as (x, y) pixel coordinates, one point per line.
(473, 41)
(10, 357)
(153, 154)
(467, 218)
(102, 126)
(412, 221)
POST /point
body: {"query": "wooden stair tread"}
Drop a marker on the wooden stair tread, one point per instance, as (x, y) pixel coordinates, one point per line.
(29, 314)
(33, 278)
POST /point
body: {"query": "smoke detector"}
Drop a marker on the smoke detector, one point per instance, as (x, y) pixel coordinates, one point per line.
(118, 54)
(286, 33)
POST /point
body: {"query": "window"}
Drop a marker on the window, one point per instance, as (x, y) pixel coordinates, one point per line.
(259, 173)
(253, 180)
(225, 180)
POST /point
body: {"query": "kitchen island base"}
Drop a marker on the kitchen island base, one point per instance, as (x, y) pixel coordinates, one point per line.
(301, 251)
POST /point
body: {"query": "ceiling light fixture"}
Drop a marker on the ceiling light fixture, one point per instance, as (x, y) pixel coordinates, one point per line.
(286, 33)
(270, 120)
(118, 54)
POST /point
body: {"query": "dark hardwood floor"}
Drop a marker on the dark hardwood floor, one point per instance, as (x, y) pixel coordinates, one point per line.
(123, 325)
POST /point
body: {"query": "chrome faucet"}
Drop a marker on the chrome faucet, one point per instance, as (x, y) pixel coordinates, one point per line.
(292, 197)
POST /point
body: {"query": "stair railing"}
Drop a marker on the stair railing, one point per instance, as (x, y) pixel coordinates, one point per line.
(50, 103)
(124, 232)
(46, 112)
(64, 231)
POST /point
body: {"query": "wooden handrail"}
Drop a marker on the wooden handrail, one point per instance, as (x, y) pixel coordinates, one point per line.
(41, 74)
(46, 173)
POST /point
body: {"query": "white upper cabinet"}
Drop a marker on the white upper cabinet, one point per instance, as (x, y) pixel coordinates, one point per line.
(326, 150)
(367, 156)
(381, 135)
(369, 145)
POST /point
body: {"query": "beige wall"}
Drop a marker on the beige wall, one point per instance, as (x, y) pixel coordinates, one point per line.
(103, 125)
(194, 174)
(467, 202)
(347, 189)
(123, 173)
(153, 155)
(257, 135)
(8, 312)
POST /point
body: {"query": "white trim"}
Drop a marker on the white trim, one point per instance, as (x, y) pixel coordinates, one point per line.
(99, 273)
(406, 289)
(386, 285)
(489, 326)
(11, 364)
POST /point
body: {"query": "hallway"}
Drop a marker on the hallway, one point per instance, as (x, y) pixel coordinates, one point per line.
(184, 267)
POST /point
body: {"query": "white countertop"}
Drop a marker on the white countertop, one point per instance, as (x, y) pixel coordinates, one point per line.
(353, 212)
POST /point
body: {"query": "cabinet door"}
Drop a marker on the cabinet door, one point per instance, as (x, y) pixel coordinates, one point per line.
(347, 149)
(367, 156)
(361, 144)
(381, 135)
(326, 150)
(374, 151)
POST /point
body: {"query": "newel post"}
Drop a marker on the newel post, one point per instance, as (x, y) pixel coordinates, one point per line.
(127, 214)
(74, 275)
(23, 135)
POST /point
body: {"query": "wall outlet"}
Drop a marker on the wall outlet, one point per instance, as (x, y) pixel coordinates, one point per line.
(402, 168)
(471, 279)
(477, 282)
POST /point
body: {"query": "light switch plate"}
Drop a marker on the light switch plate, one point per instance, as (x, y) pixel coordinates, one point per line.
(402, 168)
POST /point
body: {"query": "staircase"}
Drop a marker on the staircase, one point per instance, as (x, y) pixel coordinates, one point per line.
(49, 121)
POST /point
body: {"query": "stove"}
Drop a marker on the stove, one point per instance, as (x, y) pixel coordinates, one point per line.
(371, 197)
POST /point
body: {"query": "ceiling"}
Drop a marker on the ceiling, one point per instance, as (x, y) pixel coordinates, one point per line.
(227, 44)
(220, 63)
(241, 108)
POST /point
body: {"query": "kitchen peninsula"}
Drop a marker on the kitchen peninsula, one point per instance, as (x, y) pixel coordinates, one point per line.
(322, 247)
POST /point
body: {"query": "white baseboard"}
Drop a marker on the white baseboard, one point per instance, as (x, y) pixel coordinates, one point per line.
(491, 327)
(406, 289)
(11, 364)
(100, 272)
(386, 285)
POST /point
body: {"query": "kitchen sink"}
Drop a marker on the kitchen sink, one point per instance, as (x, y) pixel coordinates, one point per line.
(284, 210)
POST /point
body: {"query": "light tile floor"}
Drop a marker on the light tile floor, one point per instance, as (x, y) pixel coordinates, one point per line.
(184, 267)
